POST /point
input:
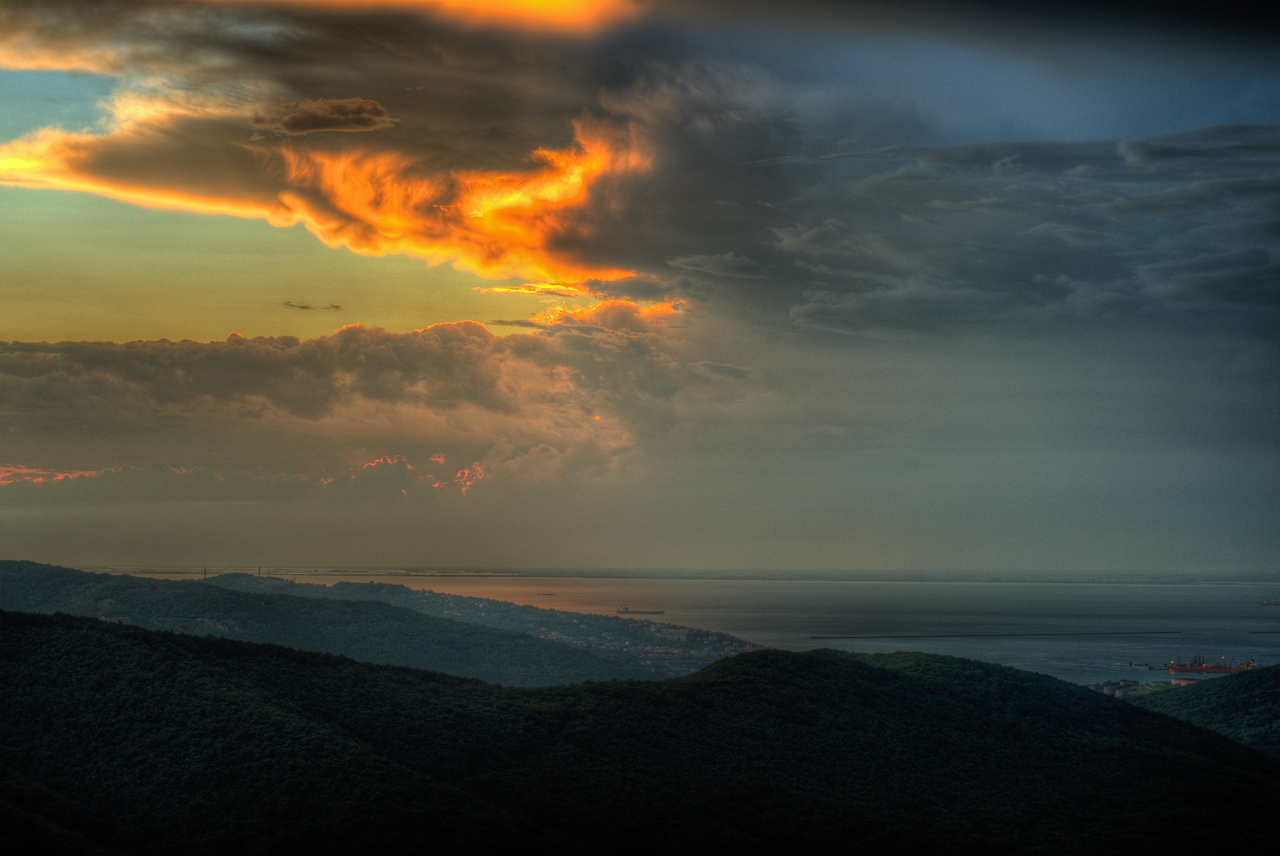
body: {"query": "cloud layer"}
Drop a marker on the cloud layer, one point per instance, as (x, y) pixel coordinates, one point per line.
(588, 385)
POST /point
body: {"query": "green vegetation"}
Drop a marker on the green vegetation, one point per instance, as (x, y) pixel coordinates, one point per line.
(158, 742)
(366, 630)
(1244, 706)
(664, 650)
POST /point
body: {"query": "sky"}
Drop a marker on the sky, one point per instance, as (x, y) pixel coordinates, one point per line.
(943, 286)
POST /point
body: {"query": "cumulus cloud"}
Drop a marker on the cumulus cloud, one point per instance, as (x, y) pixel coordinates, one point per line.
(455, 403)
(442, 367)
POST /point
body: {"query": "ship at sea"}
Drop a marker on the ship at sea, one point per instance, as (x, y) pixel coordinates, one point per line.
(1271, 603)
(1200, 667)
(626, 610)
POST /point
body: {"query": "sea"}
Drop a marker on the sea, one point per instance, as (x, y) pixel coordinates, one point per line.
(1083, 632)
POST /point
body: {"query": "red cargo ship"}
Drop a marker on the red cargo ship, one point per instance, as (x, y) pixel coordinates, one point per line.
(1200, 667)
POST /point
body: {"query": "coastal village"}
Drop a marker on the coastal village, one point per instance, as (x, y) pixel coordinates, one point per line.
(1180, 675)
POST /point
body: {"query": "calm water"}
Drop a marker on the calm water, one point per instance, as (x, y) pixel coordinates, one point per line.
(1105, 627)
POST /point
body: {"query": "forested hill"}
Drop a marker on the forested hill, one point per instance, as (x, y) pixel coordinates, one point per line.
(667, 650)
(1244, 707)
(159, 743)
(365, 630)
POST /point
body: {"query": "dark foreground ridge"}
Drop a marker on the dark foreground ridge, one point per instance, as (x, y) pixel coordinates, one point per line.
(150, 742)
(1244, 707)
(364, 630)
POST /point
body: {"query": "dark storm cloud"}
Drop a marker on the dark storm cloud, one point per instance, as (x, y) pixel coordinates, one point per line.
(911, 238)
(326, 114)
(905, 307)
(727, 264)
(904, 239)
(1249, 276)
(1234, 143)
(462, 97)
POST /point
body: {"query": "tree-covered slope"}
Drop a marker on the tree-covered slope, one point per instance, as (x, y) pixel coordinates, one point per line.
(365, 630)
(166, 742)
(1244, 707)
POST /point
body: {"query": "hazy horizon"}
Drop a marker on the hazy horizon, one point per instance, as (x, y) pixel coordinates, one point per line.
(727, 574)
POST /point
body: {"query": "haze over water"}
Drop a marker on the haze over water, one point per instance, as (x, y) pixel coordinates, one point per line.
(1080, 632)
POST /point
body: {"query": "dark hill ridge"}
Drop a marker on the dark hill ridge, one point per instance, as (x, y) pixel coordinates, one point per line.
(364, 630)
(667, 650)
(158, 742)
(1244, 707)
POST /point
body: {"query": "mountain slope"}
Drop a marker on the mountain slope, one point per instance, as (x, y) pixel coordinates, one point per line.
(364, 630)
(170, 742)
(1244, 707)
(666, 650)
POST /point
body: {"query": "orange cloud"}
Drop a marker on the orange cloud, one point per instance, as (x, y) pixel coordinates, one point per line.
(400, 466)
(466, 478)
(618, 314)
(57, 160)
(574, 16)
(387, 459)
(495, 224)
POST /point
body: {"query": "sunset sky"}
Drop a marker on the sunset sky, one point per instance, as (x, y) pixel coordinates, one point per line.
(603, 283)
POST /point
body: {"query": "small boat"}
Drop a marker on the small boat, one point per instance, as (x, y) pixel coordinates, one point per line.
(626, 610)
